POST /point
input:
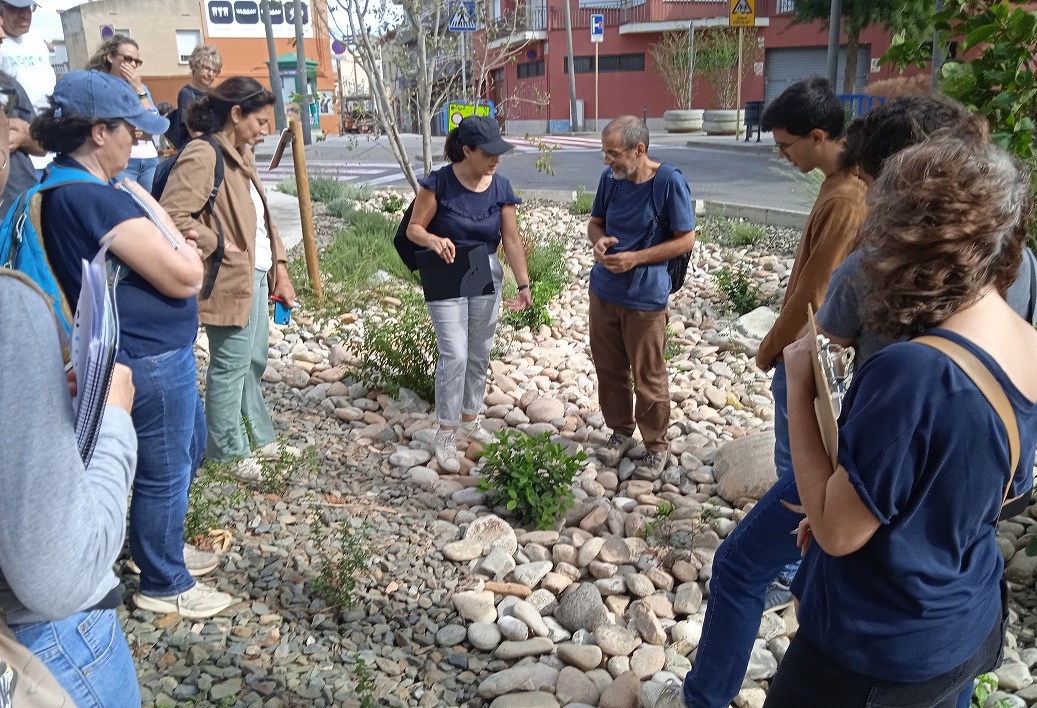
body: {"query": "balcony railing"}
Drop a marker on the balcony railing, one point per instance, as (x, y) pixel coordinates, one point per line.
(524, 20)
(622, 12)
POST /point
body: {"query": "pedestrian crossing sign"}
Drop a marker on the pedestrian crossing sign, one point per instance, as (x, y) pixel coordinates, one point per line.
(743, 13)
(463, 19)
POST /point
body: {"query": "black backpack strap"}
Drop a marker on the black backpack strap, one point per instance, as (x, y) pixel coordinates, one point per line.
(662, 213)
(210, 205)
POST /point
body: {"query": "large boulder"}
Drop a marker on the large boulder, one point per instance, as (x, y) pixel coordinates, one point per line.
(746, 333)
(744, 468)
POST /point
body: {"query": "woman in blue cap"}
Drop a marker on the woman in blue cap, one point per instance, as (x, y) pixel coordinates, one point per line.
(91, 127)
(475, 206)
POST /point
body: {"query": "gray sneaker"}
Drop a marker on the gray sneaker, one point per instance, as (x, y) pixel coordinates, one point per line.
(198, 562)
(778, 597)
(651, 466)
(446, 451)
(668, 695)
(473, 430)
(200, 602)
(613, 450)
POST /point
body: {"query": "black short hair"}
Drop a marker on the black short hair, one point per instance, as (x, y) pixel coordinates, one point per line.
(804, 106)
(901, 122)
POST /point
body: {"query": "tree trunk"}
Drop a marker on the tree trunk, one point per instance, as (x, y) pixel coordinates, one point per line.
(853, 36)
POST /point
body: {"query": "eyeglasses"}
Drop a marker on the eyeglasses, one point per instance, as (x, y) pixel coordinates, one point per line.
(784, 147)
(209, 69)
(613, 154)
(130, 60)
(12, 8)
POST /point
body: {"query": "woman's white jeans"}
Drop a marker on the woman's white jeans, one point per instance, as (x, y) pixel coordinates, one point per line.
(464, 336)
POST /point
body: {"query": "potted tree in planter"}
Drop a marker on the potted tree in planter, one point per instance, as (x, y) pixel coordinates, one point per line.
(716, 58)
(674, 57)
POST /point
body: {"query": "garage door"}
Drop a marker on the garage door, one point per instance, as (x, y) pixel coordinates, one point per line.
(787, 66)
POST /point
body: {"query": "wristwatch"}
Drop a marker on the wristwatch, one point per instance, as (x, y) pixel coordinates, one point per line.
(142, 94)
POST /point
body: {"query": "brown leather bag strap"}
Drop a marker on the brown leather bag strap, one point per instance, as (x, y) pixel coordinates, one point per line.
(990, 388)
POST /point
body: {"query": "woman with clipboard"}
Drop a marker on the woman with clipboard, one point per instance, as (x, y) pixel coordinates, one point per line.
(901, 603)
(473, 215)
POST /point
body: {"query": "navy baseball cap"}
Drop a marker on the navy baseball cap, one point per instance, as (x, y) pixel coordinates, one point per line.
(96, 94)
(482, 132)
(22, 3)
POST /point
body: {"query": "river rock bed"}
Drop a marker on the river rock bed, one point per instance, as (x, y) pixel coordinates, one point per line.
(459, 606)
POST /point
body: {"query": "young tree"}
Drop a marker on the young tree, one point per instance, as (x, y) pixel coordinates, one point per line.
(716, 59)
(893, 15)
(672, 56)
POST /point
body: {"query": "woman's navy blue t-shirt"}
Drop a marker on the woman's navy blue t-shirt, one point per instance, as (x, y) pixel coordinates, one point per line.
(75, 217)
(465, 217)
(928, 456)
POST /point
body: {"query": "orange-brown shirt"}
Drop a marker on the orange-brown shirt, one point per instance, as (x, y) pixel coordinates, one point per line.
(828, 236)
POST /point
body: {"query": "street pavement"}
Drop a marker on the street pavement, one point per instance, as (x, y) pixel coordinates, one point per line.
(733, 176)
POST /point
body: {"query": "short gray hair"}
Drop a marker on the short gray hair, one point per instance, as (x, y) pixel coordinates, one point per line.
(631, 129)
(203, 52)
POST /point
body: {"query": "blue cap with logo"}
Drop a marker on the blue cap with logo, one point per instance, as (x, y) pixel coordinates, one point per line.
(96, 94)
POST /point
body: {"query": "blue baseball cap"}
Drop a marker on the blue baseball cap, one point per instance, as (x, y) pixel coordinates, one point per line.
(99, 95)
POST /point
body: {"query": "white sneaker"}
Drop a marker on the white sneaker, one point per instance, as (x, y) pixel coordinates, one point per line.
(200, 602)
(247, 470)
(446, 451)
(473, 430)
(272, 451)
(668, 695)
(198, 562)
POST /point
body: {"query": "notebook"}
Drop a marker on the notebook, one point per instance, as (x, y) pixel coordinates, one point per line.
(468, 276)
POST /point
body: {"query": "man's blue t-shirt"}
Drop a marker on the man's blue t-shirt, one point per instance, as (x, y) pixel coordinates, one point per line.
(929, 457)
(628, 217)
(75, 217)
(465, 217)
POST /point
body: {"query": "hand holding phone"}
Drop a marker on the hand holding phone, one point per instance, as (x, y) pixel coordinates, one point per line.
(282, 312)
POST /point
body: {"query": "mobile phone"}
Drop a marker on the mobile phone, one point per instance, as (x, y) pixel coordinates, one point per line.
(282, 313)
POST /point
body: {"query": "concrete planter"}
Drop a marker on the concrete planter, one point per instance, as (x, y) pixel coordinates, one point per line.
(683, 121)
(723, 122)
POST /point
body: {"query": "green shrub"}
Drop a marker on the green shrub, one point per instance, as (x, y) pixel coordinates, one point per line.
(392, 203)
(212, 494)
(364, 682)
(277, 475)
(359, 192)
(739, 291)
(340, 557)
(342, 208)
(547, 277)
(746, 233)
(325, 189)
(530, 476)
(287, 186)
(985, 686)
(400, 350)
(582, 203)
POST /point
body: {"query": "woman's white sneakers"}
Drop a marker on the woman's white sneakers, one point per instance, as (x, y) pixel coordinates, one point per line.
(473, 430)
(446, 451)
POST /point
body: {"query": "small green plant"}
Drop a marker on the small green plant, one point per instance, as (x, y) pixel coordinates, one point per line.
(664, 510)
(672, 347)
(400, 351)
(287, 186)
(277, 474)
(739, 291)
(392, 203)
(530, 476)
(546, 151)
(364, 682)
(547, 276)
(582, 203)
(746, 233)
(342, 208)
(325, 189)
(358, 192)
(212, 494)
(983, 688)
(342, 555)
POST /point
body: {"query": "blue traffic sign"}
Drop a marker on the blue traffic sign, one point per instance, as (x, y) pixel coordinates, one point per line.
(463, 19)
(597, 25)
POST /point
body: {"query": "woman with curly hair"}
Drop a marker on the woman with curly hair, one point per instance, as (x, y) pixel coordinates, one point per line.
(900, 592)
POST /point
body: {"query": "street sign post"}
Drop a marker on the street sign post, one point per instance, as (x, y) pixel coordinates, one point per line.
(463, 20)
(597, 37)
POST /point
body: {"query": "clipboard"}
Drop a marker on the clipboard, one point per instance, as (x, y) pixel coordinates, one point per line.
(468, 276)
(282, 143)
(824, 409)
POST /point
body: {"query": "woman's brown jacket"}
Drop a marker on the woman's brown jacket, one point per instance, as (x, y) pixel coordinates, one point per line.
(185, 194)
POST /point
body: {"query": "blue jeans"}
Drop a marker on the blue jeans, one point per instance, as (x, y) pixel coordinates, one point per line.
(170, 424)
(464, 337)
(141, 170)
(782, 450)
(760, 548)
(88, 655)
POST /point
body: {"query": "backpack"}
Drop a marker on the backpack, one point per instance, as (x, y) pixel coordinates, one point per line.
(162, 172)
(21, 245)
(676, 267)
(404, 246)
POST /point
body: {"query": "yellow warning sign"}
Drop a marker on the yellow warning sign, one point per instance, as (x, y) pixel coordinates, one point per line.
(743, 13)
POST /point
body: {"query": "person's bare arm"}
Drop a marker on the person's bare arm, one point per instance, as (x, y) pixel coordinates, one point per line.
(682, 242)
(19, 138)
(417, 231)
